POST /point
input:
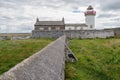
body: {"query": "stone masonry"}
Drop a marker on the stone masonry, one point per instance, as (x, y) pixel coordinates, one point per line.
(73, 34)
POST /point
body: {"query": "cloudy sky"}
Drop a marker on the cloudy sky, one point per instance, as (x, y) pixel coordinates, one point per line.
(20, 15)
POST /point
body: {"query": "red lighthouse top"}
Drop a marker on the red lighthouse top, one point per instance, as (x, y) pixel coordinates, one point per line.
(90, 11)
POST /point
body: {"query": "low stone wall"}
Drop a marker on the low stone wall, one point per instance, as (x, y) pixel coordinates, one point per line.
(46, 34)
(73, 34)
(90, 34)
(117, 31)
(3, 37)
(20, 37)
(47, 64)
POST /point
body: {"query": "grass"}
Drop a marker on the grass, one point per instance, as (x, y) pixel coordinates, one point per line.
(15, 34)
(98, 59)
(10, 35)
(13, 52)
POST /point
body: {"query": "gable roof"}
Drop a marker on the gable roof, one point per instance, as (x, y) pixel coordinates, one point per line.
(51, 23)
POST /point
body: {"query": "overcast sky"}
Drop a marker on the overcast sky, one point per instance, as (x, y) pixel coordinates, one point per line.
(20, 15)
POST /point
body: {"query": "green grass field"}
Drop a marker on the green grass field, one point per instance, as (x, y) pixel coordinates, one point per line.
(15, 34)
(13, 52)
(98, 59)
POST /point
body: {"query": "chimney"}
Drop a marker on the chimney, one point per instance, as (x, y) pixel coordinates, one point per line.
(37, 20)
(63, 19)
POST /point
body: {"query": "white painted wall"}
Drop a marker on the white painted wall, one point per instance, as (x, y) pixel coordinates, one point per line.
(90, 21)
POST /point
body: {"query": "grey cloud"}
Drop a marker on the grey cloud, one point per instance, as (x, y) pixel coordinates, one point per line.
(24, 27)
(106, 15)
(16, 28)
(116, 19)
(7, 4)
(80, 3)
(115, 24)
(15, 4)
(12, 16)
(6, 18)
(110, 5)
(46, 3)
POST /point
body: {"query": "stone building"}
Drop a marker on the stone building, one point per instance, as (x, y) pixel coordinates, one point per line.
(49, 25)
(54, 29)
(60, 25)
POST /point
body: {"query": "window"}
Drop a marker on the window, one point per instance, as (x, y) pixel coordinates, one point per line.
(41, 28)
(91, 26)
(49, 28)
(57, 28)
(69, 29)
(81, 28)
(75, 28)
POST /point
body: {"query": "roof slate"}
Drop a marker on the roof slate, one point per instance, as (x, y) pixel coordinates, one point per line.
(52, 23)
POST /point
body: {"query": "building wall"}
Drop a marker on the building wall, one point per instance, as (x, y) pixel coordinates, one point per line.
(76, 27)
(53, 27)
(90, 21)
(117, 31)
(73, 34)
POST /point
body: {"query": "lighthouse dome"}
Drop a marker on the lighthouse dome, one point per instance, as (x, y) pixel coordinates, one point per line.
(90, 11)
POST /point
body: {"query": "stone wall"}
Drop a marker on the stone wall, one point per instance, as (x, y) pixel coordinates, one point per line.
(73, 34)
(46, 34)
(117, 31)
(47, 64)
(3, 37)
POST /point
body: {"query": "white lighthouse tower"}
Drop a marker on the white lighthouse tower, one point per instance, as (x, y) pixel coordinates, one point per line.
(90, 17)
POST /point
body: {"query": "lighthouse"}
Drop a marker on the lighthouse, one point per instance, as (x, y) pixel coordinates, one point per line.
(90, 17)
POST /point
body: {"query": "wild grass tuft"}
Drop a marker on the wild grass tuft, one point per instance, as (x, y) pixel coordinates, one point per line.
(98, 59)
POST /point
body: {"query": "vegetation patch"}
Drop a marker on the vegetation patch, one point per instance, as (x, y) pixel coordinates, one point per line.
(98, 59)
(14, 51)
